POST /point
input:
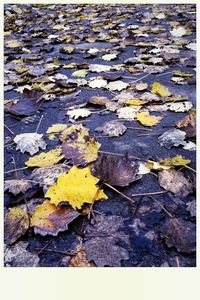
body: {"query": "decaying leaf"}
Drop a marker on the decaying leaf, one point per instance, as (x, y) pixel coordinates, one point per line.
(112, 128)
(46, 159)
(79, 112)
(161, 90)
(80, 73)
(80, 260)
(16, 223)
(29, 142)
(97, 100)
(76, 188)
(188, 124)
(47, 176)
(128, 113)
(78, 146)
(191, 207)
(16, 186)
(175, 182)
(172, 137)
(179, 234)
(56, 128)
(17, 256)
(97, 83)
(178, 160)
(50, 219)
(146, 119)
(102, 241)
(118, 171)
(117, 85)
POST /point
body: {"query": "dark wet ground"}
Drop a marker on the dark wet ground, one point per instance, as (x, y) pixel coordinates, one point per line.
(145, 245)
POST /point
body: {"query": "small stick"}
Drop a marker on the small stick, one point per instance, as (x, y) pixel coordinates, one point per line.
(139, 128)
(117, 191)
(5, 146)
(164, 74)
(57, 251)
(141, 78)
(137, 207)
(147, 194)
(177, 262)
(39, 123)
(15, 167)
(8, 129)
(159, 204)
(47, 244)
(190, 168)
(15, 170)
(119, 154)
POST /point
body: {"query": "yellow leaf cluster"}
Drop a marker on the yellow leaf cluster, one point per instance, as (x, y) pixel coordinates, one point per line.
(161, 90)
(146, 119)
(46, 159)
(77, 187)
(56, 128)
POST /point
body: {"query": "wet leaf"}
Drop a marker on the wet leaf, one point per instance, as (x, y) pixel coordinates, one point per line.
(16, 223)
(97, 83)
(188, 124)
(135, 102)
(80, 73)
(161, 90)
(29, 142)
(117, 171)
(16, 186)
(179, 234)
(97, 100)
(128, 113)
(112, 128)
(178, 160)
(141, 86)
(172, 138)
(109, 57)
(47, 176)
(46, 159)
(56, 128)
(148, 120)
(50, 219)
(175, 182)
(191, 207)
(76, 188)
(180, 107)
(117, 85)
(78, 112)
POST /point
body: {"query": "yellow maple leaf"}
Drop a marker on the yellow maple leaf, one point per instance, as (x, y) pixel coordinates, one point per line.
(46, 159)
(56, 128)
(177, 160)
(160, 89)
(80, 73)
(146, 119)
(77, 187)
(50, 219)
(77, 129)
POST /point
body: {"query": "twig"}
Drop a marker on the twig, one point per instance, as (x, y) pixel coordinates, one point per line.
(141, 78)
(147, 194)
(43, 248)
(14, 170)
(15, 166)
(137, 206)
(5, 146)
(190, 168)
(117, 191)
(119, 154)
(164, 74)
(8, 129)
(39, 123)
(159, 204)
(139, 128)
(177, 262)
(58, 251)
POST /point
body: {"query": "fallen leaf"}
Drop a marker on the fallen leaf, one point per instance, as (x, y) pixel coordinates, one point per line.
(153, 165)
(17, 256)
(161, 90)
(188, 124)
(29, 142)
(13, 44)
(112, 106)
(80, 260)
(112, 128)
(50, 219)
(80, 73)
(109, 57)
(76, 188)
(191, 146)
(117, 171)
(147, 96)
(56, 128)
(128, 113)
(68, 49)
(181, 74)
(46, 159)
(103, 239)
(99, 68)
(97, 100)
(179, 234)
(97, 83)
(78, 112)
(178, 160)
(16, 224)
(178, 32)
(135, 102)
(47, 176)
(175, 182)
(141, 86)
(180, 107)
(172, 137)
(117, 85)
(16, 186)
(148, 120)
